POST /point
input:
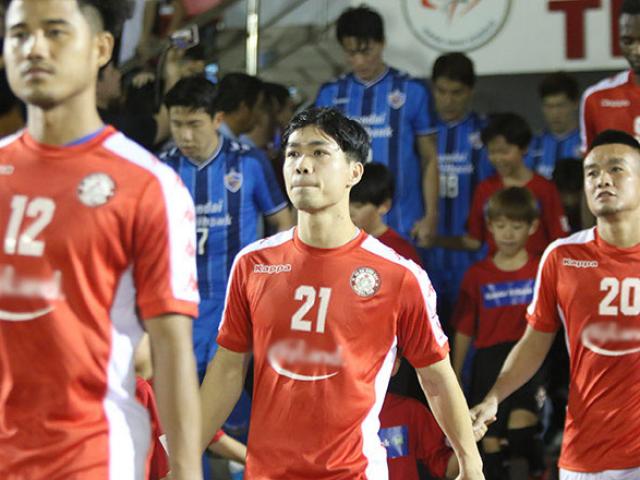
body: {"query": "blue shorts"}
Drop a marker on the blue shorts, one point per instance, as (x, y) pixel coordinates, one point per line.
(205, 332)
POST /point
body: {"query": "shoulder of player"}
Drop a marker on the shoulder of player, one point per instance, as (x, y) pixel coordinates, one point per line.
(605, 85)
(561, 245)
(274, 241)
(135, 157)
(10, 140)
(387, 258)
(334, 82)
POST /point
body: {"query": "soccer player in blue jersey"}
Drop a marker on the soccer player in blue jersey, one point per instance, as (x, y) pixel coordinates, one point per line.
(560, 139)
(463, 162)
(241, 101)
(232, 186)
(397, 112)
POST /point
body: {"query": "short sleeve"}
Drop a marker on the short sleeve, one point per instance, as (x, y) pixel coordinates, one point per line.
(268, 195)
(325, 96)
(475, 222)
(465, 313)
(424, 119)
(236, 328)
(164, 263)
(555, 220)
(431, 447)
(542, 312)
(587, 129)
(420, 335)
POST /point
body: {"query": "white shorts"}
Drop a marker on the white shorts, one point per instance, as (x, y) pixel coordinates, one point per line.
(627, 474)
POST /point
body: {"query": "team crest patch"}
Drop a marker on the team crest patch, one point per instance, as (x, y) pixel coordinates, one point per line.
(96, 189)
(397, 99)
(365, 281)
(233, 181)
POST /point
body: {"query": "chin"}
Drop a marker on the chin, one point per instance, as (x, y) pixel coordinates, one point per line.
(39, 99)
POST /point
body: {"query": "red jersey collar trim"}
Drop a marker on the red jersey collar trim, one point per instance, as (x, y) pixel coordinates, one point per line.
(612, 249)
(352, 244)
(65, 151)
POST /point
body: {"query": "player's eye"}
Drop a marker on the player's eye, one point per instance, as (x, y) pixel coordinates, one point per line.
(319, 153)
(292, 154)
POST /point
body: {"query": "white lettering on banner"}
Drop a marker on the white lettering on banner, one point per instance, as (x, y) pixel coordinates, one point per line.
(208, 222)
(297, 353)
(271, 269)
(511, 292)
(570, 262)
(209, 207)
(373, 119)
(11, 284)
(614, 103)
(596, 336)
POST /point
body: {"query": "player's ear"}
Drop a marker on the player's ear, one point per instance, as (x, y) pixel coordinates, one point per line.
(218, 118)
(384, 207)
(534, 226)
(356, 170)
(104, 44)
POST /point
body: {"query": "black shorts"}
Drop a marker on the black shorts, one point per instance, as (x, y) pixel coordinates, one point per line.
(486, 367)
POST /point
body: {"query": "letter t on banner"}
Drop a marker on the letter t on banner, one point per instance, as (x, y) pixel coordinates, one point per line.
(574, 11)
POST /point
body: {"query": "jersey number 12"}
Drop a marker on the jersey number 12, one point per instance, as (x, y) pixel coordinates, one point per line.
(24, 243)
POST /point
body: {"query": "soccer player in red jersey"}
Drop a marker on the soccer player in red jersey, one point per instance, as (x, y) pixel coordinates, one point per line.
(588, 284)
(324, 307)
(614, 103)
(490, 310)
(96, 243)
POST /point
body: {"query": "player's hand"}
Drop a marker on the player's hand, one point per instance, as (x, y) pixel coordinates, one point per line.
(470, 472)
(424, 231)
(480, 432)
(484, 413)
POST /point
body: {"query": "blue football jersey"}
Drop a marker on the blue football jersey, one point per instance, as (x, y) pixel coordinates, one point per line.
(394, 109)
(546, 149)
(463, 163)
(231, 191)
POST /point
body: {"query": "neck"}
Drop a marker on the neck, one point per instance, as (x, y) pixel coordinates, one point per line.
(377, 229)
(326, 229)
(376, 74)
(232, 123)
(568, 129)
(66, 122)
(212, 149)
(520, 177)
(513, 262)
(622, 231)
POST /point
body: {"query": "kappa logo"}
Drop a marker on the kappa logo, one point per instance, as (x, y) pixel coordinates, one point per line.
(272, 269)
(570, 262)
(622, 103)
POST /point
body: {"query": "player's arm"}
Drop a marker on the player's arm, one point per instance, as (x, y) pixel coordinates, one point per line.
(425, 229)
(230, 448)
(176, 387)
(523, 362)
(450, 409)
(281, 220)
(460, 349)
(220, 390)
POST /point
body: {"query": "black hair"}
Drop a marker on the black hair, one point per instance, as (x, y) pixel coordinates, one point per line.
(113, 13)
(376, 185)
(454, 66)
(559, 82)
(610, 137)
(511, 126)
(195, 93)
(515, 203)
(631, 7)
(567, 174)
(276, 92)
(362, 23)
(236, 88)
(350, 136)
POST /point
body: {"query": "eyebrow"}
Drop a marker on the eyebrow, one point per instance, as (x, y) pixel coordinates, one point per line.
(609, 161)
(49, 23)
(313, 143)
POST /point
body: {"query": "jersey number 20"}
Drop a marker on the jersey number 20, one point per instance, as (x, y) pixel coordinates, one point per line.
(629, 290)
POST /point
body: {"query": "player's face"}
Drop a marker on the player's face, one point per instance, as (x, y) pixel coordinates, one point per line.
(559, 112)
(363, 57)
(612, 180)
(52, 50)
(630, 40)
(510, 235)
(194, 132)
(453, 99)
(364, 215)
(318, 175)
(505, 157)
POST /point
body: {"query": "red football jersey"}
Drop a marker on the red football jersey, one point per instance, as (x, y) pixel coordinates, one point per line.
(492, 303)
(94, 237)
(410, 433)
(157, 459)
(393, 239)
(324, 325)
(611, 103)
(593, 289)
(553, 222)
